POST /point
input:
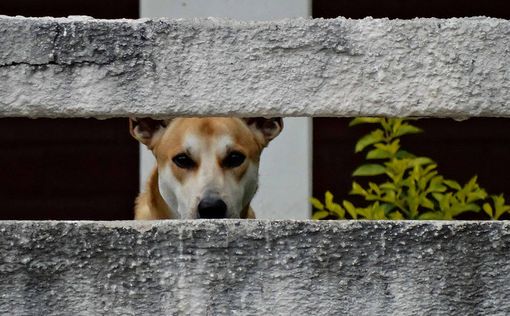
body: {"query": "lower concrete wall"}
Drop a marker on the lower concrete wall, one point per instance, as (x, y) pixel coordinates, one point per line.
(254, 267)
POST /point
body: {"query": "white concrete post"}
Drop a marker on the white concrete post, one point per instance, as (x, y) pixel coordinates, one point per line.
(285, 170)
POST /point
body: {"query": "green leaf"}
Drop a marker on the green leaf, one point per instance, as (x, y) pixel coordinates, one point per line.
(379, 154)
(431, 216)
(499, 205)
(337, 210)
(405, 129)
(369, 170)
(372, 197)
(387, 207)
(420, 161)
(501, 211)
(396, 216)
(425, 202)
(477, 195)
(402, 154)
(429, 172)
(389, 197)
(472, 207)
(378, 214)
(317, 204)
(328, 199)
(471, 185)
(350, 209)
(365, 120)
(453, 184)
(332, 206)
(320, 214)
(375, 212)
(392, 148)
(396, 123)
(436, 188)
(436, 185)
(374, 188)
(444, 203)
(387, 124)
(488, 209)
(358, 189)
(364, 212)
(388, 186)
(460, 208)
(438, 196)
(369, 139)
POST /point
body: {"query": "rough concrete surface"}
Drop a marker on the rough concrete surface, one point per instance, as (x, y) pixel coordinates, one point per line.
(301, 67)
(232, 267)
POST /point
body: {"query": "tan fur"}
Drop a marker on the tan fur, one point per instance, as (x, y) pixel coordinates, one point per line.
(167, 142)
(150, 204)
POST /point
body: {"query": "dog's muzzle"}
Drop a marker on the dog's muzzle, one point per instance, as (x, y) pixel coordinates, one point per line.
(212, 207)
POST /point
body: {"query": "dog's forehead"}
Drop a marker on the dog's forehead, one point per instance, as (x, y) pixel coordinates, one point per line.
(222, 132)
(212, 128)
(194, 142)
(208, 125)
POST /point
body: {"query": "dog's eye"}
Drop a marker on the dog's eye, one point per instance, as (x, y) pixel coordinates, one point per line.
(233, 159)
(184, 161)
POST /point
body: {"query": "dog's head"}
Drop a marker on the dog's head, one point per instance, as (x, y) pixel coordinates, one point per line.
(207, 167)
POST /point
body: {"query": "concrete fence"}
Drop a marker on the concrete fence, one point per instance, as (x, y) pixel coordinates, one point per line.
(231, 267)
(301, 67)
(80, 67)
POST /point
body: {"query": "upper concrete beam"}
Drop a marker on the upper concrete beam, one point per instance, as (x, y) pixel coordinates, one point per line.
(235, 267)
(85, 67)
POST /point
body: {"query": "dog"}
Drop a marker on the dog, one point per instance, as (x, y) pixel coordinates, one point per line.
(205, 167)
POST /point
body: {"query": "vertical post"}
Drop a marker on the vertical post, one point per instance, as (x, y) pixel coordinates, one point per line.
(285, 170)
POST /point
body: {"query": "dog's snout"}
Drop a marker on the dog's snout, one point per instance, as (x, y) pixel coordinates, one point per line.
(212, 207)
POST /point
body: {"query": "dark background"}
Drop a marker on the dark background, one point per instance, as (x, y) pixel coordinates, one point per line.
(88, 169)
(68, 168)
(99, 9)
(408, 9)
(478, 146)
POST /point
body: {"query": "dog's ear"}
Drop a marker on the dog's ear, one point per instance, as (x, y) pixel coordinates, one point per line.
(146, 130)
(268, 128)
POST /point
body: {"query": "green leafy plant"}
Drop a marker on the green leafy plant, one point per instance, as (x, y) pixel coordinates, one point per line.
(409, 186)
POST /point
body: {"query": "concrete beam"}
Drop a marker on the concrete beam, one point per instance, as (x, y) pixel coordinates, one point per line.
(84, 67)
(220, 267)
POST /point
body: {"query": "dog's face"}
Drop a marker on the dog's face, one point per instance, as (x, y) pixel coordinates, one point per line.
(207, 167)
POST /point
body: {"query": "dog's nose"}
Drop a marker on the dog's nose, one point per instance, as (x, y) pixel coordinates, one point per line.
(212, 208)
